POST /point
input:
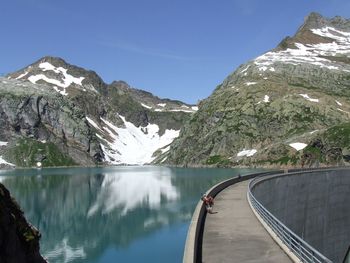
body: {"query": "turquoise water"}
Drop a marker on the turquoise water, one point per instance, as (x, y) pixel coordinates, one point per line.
(116, 214)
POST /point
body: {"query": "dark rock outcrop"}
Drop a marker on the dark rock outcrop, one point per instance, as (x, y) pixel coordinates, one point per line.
(33, 118)
(19, 240)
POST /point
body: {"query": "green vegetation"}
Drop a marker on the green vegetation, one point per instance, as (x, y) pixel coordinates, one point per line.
(285, 160)
(339, 134)
(288, 160)
(29, 236)
(329, 148)
(313, 151)
(27, 152)
(218, 160)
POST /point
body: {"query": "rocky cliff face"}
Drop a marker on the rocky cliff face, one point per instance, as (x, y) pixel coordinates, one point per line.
(41, 126)
(19, 241)
(54, 113)
(282, 108)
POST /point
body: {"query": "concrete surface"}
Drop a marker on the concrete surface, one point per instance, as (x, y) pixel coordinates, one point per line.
(315, 206)
(189, 251)
(235, 235)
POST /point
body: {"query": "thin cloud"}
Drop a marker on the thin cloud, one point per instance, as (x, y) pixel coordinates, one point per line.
(150, 52)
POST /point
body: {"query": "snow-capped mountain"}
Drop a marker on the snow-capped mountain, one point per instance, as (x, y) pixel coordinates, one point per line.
(52, 105)
(68, 80)
(61, 76)
(289, 106)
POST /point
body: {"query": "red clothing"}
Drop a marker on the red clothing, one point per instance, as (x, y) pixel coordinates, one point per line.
(208, 200)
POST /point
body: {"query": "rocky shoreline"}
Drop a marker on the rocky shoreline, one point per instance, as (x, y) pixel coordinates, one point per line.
(19, 240)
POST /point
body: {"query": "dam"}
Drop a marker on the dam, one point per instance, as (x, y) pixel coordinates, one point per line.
(304, 212)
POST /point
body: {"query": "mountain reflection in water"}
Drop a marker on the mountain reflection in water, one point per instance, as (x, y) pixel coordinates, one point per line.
(89, 214)
(132, 189)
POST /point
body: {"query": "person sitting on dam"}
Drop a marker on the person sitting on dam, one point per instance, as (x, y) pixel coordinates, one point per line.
(209, 203)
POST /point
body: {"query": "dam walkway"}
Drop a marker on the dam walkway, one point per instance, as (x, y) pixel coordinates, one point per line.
(234, 234)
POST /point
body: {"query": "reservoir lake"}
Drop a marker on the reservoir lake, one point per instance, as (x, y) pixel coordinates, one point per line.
(112, 214)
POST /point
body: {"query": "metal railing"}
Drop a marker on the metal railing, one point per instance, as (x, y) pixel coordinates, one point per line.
(297, 245)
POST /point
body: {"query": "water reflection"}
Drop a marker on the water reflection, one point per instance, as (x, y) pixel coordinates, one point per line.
(64, 253)
(84, 212)
(132, 189)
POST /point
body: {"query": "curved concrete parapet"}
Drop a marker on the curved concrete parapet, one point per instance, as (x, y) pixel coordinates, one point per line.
(313, 204)
(193, 246)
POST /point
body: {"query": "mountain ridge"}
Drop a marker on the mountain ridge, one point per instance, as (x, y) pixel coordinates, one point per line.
(289, 96)
(97, 123)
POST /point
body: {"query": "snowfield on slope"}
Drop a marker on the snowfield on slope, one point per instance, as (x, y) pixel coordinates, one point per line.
(247, 153)
(298, 145)
(311, 53)
(2, 161)
(130, 144)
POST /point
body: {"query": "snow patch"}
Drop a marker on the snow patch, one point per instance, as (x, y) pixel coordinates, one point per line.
(328, 32)
(247, 153)
(343, 111)
(305, 96)
(266, 98)
(244, 70)
(298, 145)
(146, 106)
(339, 103)
(311, 53)
(262, 68)
(62, 92)
(250, 83)
(2, 161)
(22, 75)
(135, 145)
(94, 124)
(183, 110)
(165, 149)
(66, 81)
(90, 87)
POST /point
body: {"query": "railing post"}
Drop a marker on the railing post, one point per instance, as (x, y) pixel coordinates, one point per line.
(299, 251)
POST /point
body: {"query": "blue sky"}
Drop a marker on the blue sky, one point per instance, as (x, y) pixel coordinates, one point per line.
(179, 49)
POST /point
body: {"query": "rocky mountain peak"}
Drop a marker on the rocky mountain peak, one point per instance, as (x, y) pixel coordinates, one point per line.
(120, 84)
(56, 61)
(63, 77)
(317, 29)
(317, 21)
(314, 20)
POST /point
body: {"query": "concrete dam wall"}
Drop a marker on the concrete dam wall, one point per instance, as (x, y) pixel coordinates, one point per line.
(314, 205)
